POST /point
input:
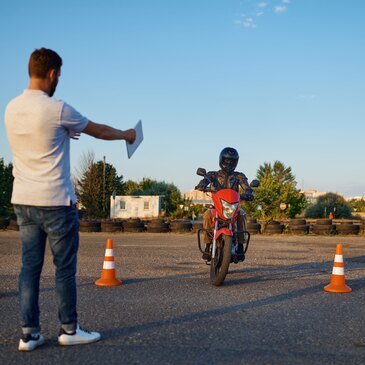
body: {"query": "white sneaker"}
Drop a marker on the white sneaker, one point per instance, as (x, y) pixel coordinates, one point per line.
(77, 337)
(30, 341)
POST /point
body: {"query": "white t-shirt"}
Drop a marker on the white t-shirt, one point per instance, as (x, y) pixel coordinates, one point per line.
(38, 129)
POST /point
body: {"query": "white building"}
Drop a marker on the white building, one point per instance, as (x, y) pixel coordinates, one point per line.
(359, 197)
(198, 197)
(312, 195)
(135, 206)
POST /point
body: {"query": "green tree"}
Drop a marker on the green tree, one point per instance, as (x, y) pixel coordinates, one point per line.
(277, 185)
(131, 188)
(198, 210)
(328, 203)
(94, 188)
(357, 205)
(6, 187)
(171, 195)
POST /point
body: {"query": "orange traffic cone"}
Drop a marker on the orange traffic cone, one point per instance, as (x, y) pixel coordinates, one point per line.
(337, 283)
(108, 273)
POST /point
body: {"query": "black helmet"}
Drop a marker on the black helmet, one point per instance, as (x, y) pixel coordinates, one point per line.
(228, 159)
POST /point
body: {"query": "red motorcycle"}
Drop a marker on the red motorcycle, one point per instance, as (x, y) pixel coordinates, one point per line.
(224, 247)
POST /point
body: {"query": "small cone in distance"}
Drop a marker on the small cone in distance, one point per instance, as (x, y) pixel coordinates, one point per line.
(337, 283)
(108, 273)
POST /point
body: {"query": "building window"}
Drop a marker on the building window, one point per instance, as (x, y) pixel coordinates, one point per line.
(122, 205)
(146, 205)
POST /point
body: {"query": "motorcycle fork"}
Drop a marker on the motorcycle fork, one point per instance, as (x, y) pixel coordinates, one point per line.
(214, 243)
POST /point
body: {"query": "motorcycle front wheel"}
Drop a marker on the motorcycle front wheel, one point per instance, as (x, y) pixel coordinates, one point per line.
(220, 264)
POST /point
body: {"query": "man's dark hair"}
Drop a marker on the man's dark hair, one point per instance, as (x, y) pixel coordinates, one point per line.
(43, 60)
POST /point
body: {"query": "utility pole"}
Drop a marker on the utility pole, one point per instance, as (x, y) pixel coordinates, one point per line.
(104, 184)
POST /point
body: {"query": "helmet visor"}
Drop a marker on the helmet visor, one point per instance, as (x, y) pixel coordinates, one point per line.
(228, 164)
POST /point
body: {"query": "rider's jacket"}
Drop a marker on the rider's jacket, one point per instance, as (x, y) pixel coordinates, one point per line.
(220, 180)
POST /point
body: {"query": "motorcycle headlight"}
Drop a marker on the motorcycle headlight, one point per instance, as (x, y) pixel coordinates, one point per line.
(228, 209)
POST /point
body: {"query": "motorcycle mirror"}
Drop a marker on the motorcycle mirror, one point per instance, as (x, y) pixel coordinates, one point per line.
(255, 183)
(201, 171)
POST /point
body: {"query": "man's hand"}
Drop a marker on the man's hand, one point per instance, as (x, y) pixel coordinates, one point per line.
(247, 197)
(130, 135)
(202, 186)
(74, 135)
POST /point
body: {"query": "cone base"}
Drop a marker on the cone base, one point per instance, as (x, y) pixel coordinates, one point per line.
(337, 288)
(108, 282)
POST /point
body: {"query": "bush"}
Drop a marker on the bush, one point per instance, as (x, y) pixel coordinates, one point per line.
(329, 203)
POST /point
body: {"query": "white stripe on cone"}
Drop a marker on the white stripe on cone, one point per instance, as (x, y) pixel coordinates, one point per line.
(109, 252)
(109, 265)
(338, 271)
(338, 258)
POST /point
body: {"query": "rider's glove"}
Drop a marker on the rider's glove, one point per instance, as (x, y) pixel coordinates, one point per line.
(247, 197)
(200, 187)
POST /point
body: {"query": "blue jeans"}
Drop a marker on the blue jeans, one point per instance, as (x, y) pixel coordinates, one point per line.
(60, 225)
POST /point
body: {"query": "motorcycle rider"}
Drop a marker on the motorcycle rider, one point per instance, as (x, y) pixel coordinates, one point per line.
(225, 178)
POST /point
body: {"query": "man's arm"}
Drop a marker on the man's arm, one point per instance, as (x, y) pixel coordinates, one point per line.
(210, 180)
(203, 184)
(102, 131)
(247, 191)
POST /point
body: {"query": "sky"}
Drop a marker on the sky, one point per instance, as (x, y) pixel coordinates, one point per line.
(276, 79)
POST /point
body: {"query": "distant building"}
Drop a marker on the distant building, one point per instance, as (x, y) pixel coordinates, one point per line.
(312, 195)
(348, 198)
(198, 197)
(135, 206)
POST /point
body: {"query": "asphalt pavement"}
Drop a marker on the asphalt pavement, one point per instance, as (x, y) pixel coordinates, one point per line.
(272, 308)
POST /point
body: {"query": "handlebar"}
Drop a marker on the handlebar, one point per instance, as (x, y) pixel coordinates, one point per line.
(209, 190)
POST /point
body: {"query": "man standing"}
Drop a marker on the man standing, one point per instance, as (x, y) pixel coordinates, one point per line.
(39, 129)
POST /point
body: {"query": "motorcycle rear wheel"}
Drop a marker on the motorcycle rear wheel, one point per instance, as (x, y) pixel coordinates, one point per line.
(220, 264)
